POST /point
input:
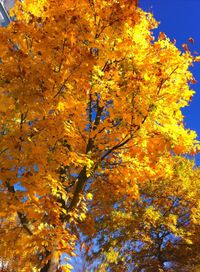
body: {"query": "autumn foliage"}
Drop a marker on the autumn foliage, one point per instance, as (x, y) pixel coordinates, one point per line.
(92, 138)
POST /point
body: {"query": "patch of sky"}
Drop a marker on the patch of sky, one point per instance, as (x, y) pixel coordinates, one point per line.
(18, 187)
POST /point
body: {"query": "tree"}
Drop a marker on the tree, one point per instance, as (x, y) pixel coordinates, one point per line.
(89, 103)
(158, 232)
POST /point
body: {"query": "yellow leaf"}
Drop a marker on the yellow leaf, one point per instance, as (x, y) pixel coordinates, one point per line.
(89, 196)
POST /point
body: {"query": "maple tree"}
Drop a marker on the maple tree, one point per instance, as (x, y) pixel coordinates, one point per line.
(90, 105)
(157, 232)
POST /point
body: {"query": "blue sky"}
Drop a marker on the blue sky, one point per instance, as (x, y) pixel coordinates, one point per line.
(180, 19)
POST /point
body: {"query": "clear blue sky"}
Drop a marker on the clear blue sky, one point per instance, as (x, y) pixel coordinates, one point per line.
(180, 19)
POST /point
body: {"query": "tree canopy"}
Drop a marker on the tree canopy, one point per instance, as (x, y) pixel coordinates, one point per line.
(157, 232)
(92, 137)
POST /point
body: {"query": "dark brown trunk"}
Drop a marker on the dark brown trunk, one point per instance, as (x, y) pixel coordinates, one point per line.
(46, 267)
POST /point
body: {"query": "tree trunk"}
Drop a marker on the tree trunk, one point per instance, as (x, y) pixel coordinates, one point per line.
(45, 268)
(52, 265)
